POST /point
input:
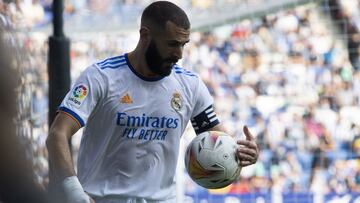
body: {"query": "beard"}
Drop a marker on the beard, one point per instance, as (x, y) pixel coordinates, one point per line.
(156, 63)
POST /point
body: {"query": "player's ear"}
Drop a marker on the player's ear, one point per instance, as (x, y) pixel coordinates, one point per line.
(145, 34)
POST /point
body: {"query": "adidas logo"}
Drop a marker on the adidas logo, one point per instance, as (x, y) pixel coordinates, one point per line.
(204, 124)
(126, 99)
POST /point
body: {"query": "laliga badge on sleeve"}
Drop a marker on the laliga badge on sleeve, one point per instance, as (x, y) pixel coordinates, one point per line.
(176, 102)
(78, 94)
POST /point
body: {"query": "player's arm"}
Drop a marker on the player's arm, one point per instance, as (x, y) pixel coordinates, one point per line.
(57, 143)
(61, 131)
(218, 127)
(73, 114)
(205, 119)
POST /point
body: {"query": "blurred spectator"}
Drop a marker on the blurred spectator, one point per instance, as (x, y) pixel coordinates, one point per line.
(17, 176)
(355, 145)
(5, 17)
(347, 15)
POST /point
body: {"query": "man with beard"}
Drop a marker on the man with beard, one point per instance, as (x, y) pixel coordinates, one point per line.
(135, 107)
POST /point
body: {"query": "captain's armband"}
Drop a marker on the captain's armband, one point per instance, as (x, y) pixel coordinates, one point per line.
(205, 120)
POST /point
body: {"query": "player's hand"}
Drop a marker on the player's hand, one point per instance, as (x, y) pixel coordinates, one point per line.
(248, 150)
(74, 192)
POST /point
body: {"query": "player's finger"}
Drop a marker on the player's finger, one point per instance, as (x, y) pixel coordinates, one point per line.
(246, 163)
(245, 157)
(246, 143)
(247, 133)
(251, 152)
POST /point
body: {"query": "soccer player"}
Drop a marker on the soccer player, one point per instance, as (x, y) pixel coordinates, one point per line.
(135, 108)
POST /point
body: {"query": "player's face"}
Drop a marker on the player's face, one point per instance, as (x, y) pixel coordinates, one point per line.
(166, 49)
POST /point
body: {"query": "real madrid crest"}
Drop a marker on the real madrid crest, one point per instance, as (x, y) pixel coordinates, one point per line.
(176, 102)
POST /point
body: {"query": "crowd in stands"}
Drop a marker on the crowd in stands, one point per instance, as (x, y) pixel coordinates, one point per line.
(285, 75)
(290, 80)
(346, 14)
(33, 14)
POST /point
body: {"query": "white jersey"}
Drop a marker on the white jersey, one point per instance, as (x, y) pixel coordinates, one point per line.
(133, 126)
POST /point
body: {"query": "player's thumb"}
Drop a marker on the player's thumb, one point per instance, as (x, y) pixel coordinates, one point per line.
(247, 133)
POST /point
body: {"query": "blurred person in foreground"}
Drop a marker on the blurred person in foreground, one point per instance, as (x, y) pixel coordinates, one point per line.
(135, 108)
(17, 178)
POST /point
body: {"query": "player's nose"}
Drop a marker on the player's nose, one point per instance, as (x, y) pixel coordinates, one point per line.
(178, 53)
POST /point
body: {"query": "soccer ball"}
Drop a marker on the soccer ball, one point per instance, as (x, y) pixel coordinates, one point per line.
(211, 160)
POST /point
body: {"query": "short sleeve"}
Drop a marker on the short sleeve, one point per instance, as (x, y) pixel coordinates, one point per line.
(203, 99)
(86, 92)
(203, 116)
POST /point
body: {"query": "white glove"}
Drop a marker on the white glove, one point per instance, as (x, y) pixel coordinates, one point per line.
(74, 191)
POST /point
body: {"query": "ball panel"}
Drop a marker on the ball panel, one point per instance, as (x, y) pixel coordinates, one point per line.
(196, 170)
(211, 160)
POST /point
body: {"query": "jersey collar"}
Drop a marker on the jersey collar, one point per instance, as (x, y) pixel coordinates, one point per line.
(150, 79)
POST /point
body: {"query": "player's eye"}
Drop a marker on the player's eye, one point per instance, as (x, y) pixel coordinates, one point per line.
(174, 44)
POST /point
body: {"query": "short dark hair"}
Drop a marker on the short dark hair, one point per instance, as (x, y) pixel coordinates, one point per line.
(159, 12)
